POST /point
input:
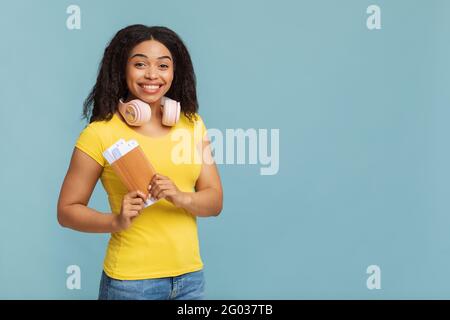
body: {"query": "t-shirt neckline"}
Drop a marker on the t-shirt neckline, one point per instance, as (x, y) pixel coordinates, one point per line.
(117, 118)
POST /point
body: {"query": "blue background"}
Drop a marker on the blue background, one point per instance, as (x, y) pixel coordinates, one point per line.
(363, 118)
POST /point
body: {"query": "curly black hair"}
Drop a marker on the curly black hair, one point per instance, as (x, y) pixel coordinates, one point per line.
(102, 101)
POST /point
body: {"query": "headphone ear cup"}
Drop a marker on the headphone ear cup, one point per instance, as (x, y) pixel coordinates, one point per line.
(135, 112)
(171, 112)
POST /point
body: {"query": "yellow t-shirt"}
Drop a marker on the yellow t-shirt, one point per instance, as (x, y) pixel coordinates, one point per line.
(163, 240)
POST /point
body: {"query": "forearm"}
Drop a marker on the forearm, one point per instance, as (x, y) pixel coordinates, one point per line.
(204, 203)
(82, 218)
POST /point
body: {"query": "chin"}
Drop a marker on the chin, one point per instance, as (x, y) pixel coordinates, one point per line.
(147, 98)
(150, 99)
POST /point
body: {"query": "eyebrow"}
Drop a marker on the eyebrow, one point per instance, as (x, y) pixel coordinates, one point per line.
(143, 55)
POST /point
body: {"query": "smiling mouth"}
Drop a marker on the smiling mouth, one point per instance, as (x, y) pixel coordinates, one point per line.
(150, 88)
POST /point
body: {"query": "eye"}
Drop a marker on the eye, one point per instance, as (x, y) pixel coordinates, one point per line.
(164, 66)
(139, 65)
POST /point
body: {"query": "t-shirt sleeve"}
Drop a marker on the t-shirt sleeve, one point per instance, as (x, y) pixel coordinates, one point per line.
(90, 143)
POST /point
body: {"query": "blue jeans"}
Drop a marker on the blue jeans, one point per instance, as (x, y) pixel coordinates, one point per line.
(188, 286)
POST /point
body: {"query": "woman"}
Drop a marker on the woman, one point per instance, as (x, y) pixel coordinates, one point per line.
(153, 252)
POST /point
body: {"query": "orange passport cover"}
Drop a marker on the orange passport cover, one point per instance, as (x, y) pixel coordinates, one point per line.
(134, 170)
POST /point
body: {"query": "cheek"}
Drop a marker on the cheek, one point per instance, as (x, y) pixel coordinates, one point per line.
(168, 74)
(168, 78)
(129, 77)
(132, 74)
(130, 84)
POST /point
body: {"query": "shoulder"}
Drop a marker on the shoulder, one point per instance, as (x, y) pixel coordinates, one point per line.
(101, 128)
(97, 134)
(94, 139)
(196, 120)
(195, 125)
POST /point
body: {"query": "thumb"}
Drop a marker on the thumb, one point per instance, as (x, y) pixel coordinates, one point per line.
(141, 194)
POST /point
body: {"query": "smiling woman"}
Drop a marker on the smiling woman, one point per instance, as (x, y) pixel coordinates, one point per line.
(153, 252)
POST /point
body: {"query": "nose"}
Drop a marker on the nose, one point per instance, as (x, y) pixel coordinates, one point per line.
(151, 73)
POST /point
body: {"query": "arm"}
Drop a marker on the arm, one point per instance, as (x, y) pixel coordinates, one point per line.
(207, 200)
(80, 180)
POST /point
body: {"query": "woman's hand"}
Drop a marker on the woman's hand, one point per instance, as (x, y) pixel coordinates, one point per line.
(161, 187)
(132, 204)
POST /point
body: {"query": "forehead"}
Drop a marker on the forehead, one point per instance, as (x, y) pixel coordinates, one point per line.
(151, 48)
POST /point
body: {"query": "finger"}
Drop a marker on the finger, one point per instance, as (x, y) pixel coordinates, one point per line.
(159, 182)
(141, 195)
(137, 200)
(160, 177)
(165, 186)
(159, 187)
(129, 212)
(155, 176)
(131, 194)
(135, 208)
(132, 207)
(164, 192)
(160, 195)
(155, 190)
(133, 214)
(155, 187)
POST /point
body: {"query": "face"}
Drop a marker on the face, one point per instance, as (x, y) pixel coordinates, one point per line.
(149, 71)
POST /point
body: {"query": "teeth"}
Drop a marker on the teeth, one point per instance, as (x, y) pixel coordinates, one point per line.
(151, 87)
